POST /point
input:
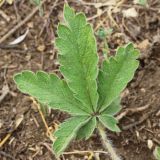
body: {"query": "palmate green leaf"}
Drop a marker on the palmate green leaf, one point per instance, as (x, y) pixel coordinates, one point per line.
(78, 57)
(86, 131)
(49, 90)
(116, 72)
(67, 132)
(113, 108)
(109, 122)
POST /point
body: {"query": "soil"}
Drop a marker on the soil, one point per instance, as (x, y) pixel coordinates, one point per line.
(20, 117)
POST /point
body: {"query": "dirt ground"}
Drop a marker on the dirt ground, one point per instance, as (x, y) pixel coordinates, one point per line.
(20, 121)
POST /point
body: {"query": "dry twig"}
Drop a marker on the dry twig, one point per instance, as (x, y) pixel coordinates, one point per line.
(84, 152)
(99, 13)
(49, 134)
(18, 122)
(141, 120)
(5, 91)
(48, 16)
(7, 155)
(97, 5)
(74, 152)
(111, 17)
(158, 113)
(131, 111)
(5, 139)
(21, 23)
(4, 16)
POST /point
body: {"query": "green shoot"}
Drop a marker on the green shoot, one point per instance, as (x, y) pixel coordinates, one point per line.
(142, 2)
(103, 34)
(90, 94)
(38, 3)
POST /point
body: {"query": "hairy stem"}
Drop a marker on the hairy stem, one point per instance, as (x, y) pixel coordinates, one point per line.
(107, 143)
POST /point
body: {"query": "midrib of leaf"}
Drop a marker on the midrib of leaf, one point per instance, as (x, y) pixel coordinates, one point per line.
(81, 63)
(88, 93)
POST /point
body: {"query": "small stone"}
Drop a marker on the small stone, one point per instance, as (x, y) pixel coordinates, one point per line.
(41, 48)
(143, 90)
(149, 143)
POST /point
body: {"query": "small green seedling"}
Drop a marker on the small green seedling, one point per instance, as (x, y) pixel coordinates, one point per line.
(39, 4)
(103, 34)
(88, 93)
(157, 153)
(142, 2)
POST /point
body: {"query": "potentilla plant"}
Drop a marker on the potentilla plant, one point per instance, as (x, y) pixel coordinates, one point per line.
(88, 93)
